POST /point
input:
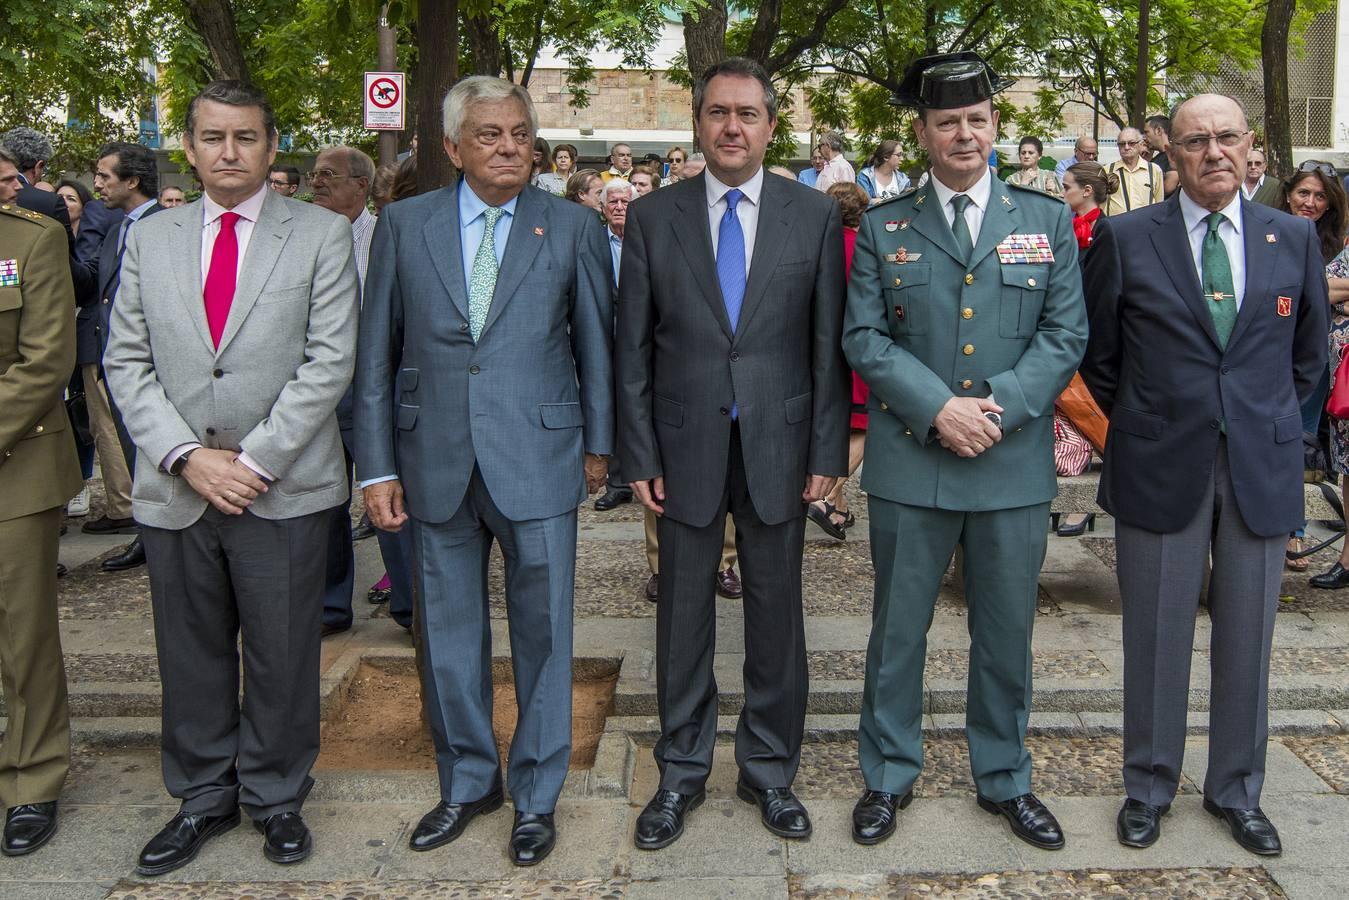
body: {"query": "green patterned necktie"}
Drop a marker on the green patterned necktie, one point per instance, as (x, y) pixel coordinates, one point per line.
(1218, 290)
(959, 227)
(484, 279)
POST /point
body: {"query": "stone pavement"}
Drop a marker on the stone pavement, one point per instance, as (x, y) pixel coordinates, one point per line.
(945, 845)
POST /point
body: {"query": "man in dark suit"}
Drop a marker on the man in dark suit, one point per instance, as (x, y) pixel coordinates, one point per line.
(732, 395)
(1208, 330)
(33, 150)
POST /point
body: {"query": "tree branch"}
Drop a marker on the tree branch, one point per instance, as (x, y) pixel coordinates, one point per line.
(807, 41)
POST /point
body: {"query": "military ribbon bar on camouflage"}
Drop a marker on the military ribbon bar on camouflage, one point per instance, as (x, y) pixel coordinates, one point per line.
(9, 272)
(1025, 248)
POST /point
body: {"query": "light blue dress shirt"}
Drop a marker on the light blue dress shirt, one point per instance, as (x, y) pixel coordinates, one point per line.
(807, 176)
(472, 227)
(615, 248)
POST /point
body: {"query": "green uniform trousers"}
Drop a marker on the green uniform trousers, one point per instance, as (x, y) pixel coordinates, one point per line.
(35, 754)
(910, 548)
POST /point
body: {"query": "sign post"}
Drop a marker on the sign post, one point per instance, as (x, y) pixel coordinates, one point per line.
(383, 101)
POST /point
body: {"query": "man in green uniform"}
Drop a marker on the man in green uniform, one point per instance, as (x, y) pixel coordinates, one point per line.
(38, 474)
(965, 317)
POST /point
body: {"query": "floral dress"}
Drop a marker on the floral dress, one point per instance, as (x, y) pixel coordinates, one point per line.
(1339, 338)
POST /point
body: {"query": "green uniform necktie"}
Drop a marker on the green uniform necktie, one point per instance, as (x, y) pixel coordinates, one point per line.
(1217, 276)
(484, 279)
(960, 228)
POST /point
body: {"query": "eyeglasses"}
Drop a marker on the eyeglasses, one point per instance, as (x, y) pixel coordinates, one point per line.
(1313, 165)
(326, 175)
(1197, 143)
(1128, 143)
(279, 182)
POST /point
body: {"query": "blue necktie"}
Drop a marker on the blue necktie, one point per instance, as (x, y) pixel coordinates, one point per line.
(731, 259)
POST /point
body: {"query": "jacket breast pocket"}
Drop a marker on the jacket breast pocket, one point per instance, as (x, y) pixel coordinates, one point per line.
(907, 299)
(1023, 296)
(666, 411)
(1137, 422)
(11, 298)
(284, 295)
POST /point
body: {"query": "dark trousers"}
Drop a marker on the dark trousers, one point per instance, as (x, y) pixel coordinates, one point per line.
(340, 578)
(396, 551)
(768, 736)
(221, 577)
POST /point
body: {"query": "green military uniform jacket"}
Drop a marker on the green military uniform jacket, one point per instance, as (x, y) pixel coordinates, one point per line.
(922, 326)
(38, 465)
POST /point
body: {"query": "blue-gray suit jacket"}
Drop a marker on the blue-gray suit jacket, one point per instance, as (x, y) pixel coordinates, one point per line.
(526, 399)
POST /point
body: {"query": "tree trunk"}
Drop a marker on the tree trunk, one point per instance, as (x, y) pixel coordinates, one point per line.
(388, 61)
(1144, 71)
(214, 21)
(437, 71)
(484, 44)
(705, 37)
(1274, 61)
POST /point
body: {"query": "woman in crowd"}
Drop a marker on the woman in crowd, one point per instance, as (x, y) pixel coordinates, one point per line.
(675, 158)
(645, 178)
(1315, 193)
(584, 188)
(880, 177)
(75, 195)
(1030, 174)
(564, 163)
(832, 513)
(543, 155)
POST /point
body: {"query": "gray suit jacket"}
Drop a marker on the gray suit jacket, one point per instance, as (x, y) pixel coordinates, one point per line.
(284, 360)
(525, 400)
(680, 368)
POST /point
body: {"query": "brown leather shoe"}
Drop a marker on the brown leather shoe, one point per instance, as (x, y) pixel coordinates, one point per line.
(728, 585)
(653, 588)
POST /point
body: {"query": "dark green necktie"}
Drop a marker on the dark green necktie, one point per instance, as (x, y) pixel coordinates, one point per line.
(1218, 289)
(960, 228)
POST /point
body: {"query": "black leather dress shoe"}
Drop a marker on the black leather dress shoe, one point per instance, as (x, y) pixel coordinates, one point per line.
(1139, 824)
(1030, 819)
(178, 842)
(1250, 828)
(287, 838)
(873, 818)
(779, 810)
(448, 820)
(61, 570)
(652, 590)
(729, 586)
(1333, 579)
(532, 838)
(363, 529)
(376, 596)
(613, 498)
(132, 556)
(109, 525)
(661, 821)
(27, 827)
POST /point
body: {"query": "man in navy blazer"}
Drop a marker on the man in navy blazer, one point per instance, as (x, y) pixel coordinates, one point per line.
(484, 409)
(1207, 331)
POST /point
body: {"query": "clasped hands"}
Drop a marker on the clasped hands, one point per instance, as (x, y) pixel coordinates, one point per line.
(963, 427)
(651, 493)
(227, 484)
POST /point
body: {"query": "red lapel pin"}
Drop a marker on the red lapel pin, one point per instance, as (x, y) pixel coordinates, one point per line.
(1285, 306)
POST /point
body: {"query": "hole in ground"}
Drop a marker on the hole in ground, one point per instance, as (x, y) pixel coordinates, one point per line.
(379, 724)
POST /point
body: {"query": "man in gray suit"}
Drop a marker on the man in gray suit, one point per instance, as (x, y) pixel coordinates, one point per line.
(733, 395)
(484, 411)
(232, 339)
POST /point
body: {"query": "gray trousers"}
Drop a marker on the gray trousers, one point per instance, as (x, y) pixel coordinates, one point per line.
(219, 578)
(1160, 577)
(449, 564)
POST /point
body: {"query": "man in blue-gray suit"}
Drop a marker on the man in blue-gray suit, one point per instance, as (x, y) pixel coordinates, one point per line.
(484, 410)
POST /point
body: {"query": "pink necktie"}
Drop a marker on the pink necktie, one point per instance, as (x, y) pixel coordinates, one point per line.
(221, 276)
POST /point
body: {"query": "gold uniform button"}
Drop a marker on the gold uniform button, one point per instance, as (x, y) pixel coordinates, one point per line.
(967, 313)
(37, 430)
(907, 431)
(883, 406)
(968, 350)
(1030, 282)
(969, 278)
(897, 282)
(967, 384)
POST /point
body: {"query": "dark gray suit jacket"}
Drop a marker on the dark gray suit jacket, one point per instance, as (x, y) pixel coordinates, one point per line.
(680, 369)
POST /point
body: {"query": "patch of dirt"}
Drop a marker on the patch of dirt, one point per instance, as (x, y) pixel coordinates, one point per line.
(380, 724)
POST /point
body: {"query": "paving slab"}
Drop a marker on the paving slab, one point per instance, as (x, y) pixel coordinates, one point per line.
(769, 887)
(523, 889)
(1196, 883)
(721, 837)
(1285, 772)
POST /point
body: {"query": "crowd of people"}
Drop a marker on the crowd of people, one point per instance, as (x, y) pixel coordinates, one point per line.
(716, 340)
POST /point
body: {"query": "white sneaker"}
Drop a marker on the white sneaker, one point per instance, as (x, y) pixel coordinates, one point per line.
(79, 504)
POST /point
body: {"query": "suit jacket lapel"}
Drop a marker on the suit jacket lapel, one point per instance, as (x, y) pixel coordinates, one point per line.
(1173, 248)
(187, 270)
(694, 236)
(529, 225)
(1256, 222)
(999, 221)
(441, 232)
(270, 233)
(769, 239)
(930, 222)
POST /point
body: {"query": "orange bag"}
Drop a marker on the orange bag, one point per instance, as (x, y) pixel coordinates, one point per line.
(1078, 407)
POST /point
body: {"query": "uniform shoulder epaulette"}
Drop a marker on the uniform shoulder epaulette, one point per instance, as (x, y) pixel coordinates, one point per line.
(1027, 189)
(902, 195)
(18, 212)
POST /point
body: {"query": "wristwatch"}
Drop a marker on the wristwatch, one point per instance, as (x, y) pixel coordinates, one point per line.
(176, 467)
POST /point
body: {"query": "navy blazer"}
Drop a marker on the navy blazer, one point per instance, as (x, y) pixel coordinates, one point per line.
(110, 278)
(95, 223)
(1154, 365)
(53, 206)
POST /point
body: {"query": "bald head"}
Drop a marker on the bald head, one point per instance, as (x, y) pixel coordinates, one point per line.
(1130, 144)
(1085, 149)
(1191, 114)
(1210, 140)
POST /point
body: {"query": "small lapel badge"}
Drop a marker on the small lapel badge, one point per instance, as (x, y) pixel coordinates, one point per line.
(1006, 201)
(899, 313)
(1285, 305)
(892, 225)
(538, 231)
(1271, 239)
(903, 223)
(902, 256)
(919, 201)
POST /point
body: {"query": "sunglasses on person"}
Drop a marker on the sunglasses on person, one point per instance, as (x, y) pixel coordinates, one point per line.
(1314, 165)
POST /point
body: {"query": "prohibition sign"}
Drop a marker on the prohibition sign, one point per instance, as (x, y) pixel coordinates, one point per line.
(384, 93)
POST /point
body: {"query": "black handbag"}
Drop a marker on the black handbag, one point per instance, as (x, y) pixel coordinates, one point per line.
(78, 412)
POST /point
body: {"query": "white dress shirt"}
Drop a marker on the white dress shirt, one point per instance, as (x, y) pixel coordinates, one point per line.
(1248, 191)
(1230, 232)
(747, 210)
(836, 171)
(979, 195)
(362, 230)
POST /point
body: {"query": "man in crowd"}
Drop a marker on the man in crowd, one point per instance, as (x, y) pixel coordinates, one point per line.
(171, 196)
(233, 338)
(1257, 186)
(965, 353)
(38, 474)
(33, 150)
(614, 199)
(484, 412)
(836, 169)
(733, 397)
(620, 162)
(644, 179)
(285, 180)
(1208, 330)
(1084, 150)
(1157, 134)
(1140, 181)
(811, 173)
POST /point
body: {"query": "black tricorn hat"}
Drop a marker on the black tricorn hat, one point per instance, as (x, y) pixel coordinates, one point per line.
(949, 81)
